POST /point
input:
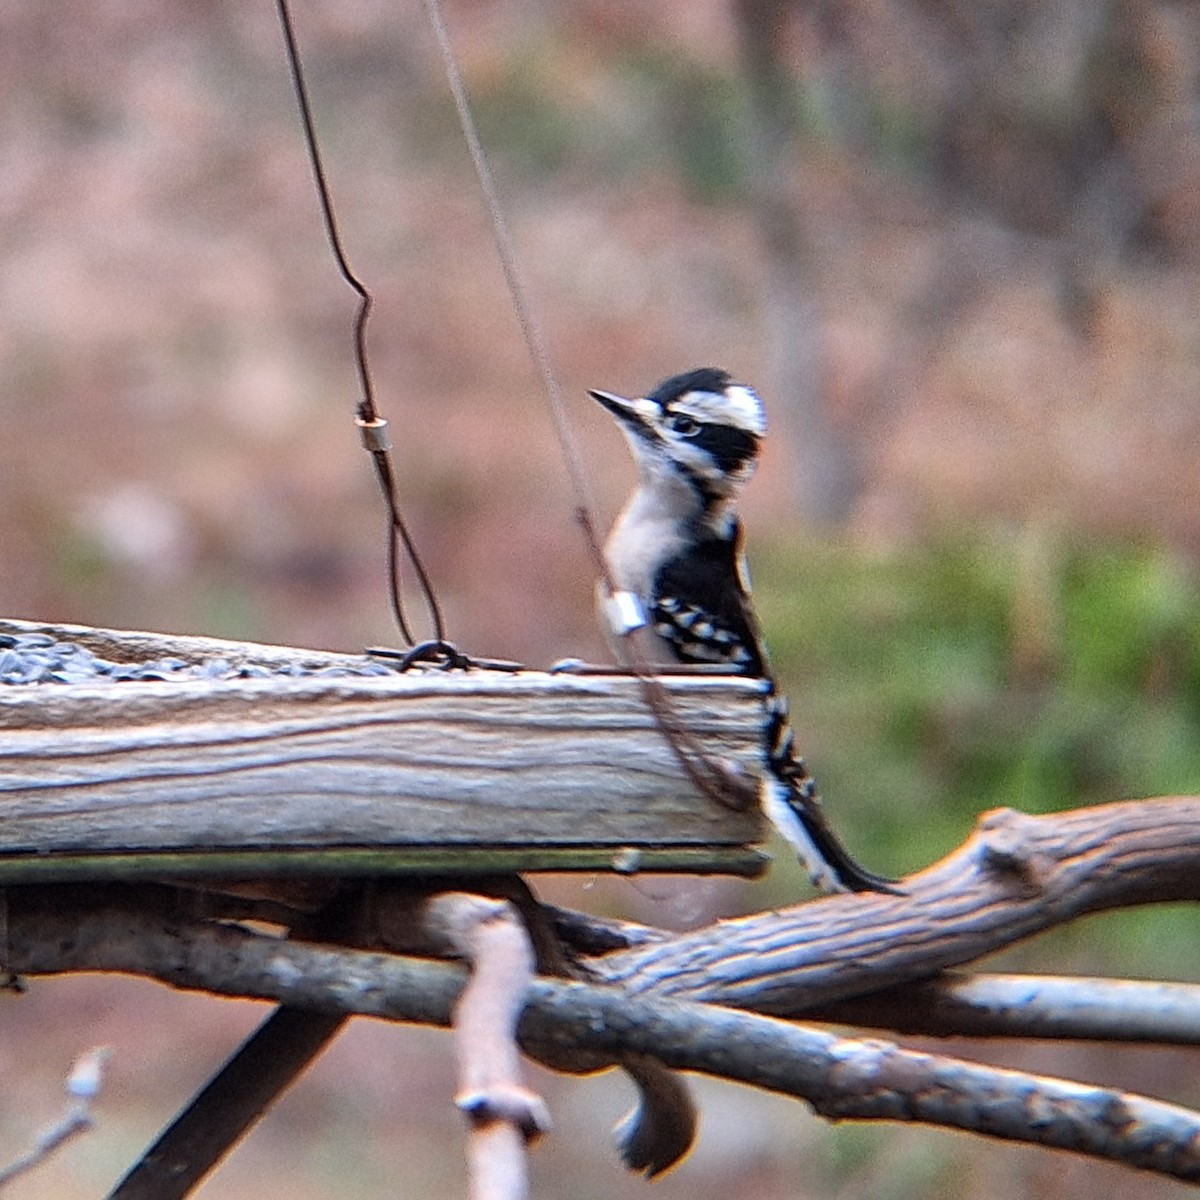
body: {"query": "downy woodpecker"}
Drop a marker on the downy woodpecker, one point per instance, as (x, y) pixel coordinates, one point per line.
(677, 569)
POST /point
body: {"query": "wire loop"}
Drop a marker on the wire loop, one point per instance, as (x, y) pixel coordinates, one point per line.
(441, 656)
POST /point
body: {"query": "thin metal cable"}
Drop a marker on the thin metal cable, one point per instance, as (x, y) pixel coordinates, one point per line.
(373, 427)
(530, 327)
(709, 777)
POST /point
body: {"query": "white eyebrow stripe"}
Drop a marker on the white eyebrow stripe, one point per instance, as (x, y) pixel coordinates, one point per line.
(738, 406)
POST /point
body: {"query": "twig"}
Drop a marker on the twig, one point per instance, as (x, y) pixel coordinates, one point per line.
(82, 1087)
(658, 1132)
(503, 1114)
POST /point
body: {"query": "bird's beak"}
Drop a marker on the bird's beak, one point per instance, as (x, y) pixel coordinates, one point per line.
(632, 414)
(617, 405)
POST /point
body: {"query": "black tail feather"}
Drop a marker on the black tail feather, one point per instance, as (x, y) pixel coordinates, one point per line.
(799, 794)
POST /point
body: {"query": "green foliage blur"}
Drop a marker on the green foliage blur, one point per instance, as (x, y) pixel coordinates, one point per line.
(934, 681)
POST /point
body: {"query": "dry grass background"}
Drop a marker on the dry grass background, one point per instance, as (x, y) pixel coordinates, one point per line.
(177, 452)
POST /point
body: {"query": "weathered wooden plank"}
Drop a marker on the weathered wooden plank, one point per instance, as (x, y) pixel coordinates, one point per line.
(566, 771)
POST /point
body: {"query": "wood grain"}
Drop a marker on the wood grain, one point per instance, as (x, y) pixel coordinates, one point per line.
(432, 759)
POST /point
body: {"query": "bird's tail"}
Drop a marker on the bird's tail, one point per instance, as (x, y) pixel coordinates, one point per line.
(792, 803)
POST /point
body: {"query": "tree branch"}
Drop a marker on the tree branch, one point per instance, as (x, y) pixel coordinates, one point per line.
(1015, 876)
(1028, 1006)
(870, 1079)
(503, 1114)
(841, 1078)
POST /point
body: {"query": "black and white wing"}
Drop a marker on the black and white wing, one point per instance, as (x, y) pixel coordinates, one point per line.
(699, 606)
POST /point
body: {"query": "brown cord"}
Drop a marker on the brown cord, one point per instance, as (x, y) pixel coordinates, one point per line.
(709, 777)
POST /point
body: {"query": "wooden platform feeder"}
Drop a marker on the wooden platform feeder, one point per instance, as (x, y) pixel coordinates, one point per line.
(430, 771)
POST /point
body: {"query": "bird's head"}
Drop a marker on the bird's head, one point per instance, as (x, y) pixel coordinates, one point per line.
(699, 427)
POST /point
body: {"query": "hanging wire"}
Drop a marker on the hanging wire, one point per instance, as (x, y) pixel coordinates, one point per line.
(372, 427)
(711, 778)
(530, 328)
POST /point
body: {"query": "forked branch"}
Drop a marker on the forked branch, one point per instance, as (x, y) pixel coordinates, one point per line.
(1015, 877)
(841, 1078)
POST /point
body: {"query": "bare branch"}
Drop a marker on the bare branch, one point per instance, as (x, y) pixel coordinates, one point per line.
(1015, 876)
(82, 1087)
(840, 1077)
(1029, 1006)
(503, 1114)
(870, 1079)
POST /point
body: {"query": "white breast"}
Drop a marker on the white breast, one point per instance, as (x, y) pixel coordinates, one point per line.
(646, 534)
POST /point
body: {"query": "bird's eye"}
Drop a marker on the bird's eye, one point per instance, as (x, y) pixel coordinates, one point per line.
(684, 426)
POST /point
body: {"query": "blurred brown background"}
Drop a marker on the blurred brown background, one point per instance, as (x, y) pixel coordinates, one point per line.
(954, 245)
